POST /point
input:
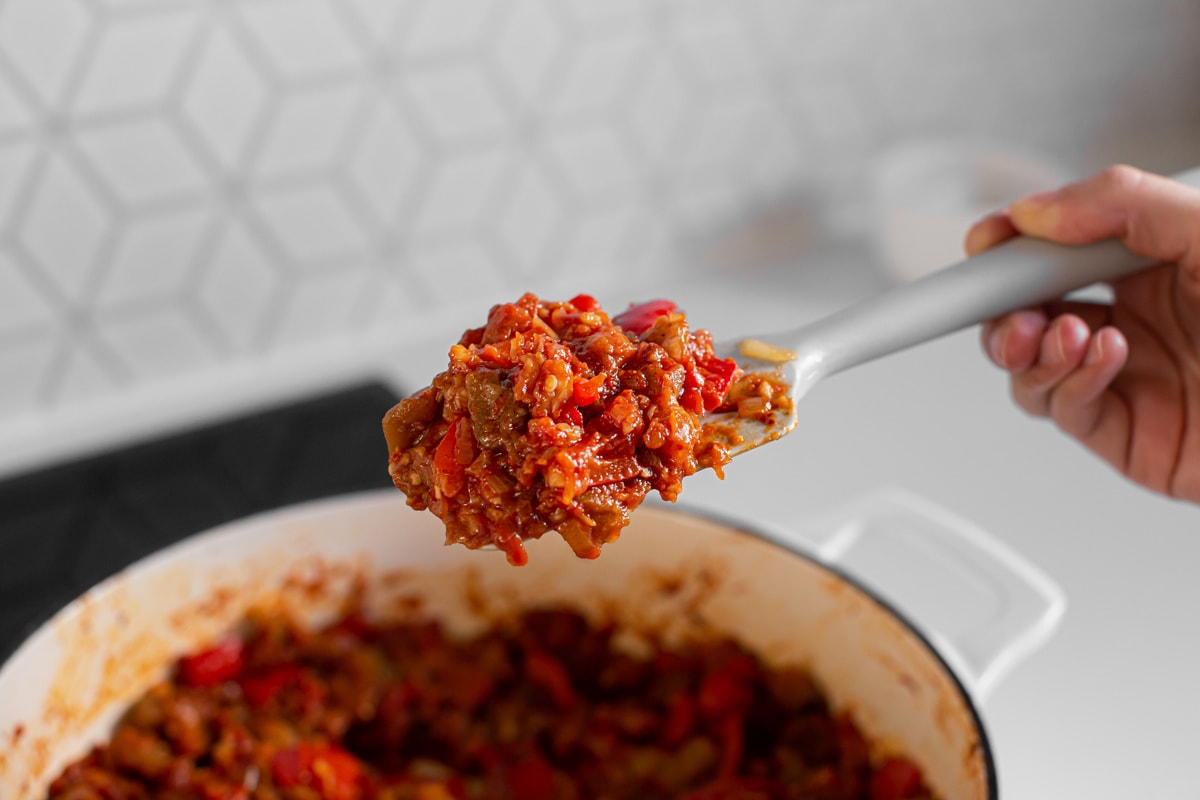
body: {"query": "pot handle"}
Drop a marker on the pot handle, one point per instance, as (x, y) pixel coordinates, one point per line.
(982, 605)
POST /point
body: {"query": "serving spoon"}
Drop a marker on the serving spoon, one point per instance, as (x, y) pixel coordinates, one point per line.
(1019, 273)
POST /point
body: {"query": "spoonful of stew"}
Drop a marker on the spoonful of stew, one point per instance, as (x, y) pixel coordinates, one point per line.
(556, 416)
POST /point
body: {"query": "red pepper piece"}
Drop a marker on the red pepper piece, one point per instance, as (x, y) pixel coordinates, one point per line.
(733, 745)
(692, 397)
(726, 690)
(221, 662)
(260, 688)
(549, 673)
(445, 457)
(681, 716)
(531, 779)
(637, 319)
(718, 374)
(331, 771)
(585, 302)
(895, 779)
(574, 415)
(492, 355)
(584, 393)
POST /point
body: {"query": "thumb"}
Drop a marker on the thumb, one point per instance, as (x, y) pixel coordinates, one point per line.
(1155, 217)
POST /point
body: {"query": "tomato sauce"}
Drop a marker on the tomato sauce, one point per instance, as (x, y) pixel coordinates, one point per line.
(542, 707)
(555, 416)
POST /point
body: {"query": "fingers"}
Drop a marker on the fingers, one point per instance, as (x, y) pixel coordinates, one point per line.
(1060, 369)
(1078, 404)
(1061, 350)
(1012, 342)
(989, 232)
(1155, 217)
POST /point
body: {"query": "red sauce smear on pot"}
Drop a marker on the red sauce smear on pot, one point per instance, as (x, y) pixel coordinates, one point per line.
(543, 707)
(555, 417)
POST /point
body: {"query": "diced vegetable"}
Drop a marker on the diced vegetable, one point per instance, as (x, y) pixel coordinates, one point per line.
(895, 779)
(718, 376)
(549, 673)
(221, 662)
(585, 302)
(638, 319)
(332, 772)
(445, 458)
(260, 688)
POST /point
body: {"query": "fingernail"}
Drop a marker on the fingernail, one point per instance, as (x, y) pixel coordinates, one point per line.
(1039, 198)
(1057, 353)
(1095, 351)
(1074, 333)
(1037, 214)
(996, 345)
(1062, 333)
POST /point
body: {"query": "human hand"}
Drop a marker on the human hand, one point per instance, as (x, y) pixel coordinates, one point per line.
(1123, 379)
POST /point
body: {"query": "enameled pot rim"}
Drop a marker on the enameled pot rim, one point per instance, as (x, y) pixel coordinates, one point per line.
(776, 536)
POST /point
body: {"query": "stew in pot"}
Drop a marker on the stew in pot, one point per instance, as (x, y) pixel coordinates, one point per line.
(546, 707)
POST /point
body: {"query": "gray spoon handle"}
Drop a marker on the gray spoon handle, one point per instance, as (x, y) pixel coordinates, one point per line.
(1019, 273)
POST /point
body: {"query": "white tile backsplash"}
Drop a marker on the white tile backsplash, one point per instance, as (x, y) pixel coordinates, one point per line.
(195, 186)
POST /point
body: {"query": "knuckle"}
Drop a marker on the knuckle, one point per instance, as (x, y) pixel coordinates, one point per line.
(1031, 402)
(1066, 413)
(1121, 178)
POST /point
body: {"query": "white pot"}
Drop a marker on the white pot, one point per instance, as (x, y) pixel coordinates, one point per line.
(62, 690)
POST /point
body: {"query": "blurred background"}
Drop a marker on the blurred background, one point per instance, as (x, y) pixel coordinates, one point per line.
(255, 194)
(216, 210)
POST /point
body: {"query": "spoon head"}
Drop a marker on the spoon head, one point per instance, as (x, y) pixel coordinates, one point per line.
(762, 403)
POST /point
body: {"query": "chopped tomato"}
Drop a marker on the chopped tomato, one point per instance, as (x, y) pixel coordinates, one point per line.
(259, 689)
(681, 716)
(718, 374)
(331, 771)
(221, 662)
(733, 745)
(531, 779)
(549, 673)
(692, 398)
(584, 393)
(727, 691)
(585, 302)
(445, 458)
(637, 319)
(895, 779)
(492, 354)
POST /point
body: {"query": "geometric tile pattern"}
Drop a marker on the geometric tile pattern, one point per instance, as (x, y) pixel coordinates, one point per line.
(195, 182)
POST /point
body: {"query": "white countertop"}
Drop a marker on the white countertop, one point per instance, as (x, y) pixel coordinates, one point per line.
(1106, 708)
